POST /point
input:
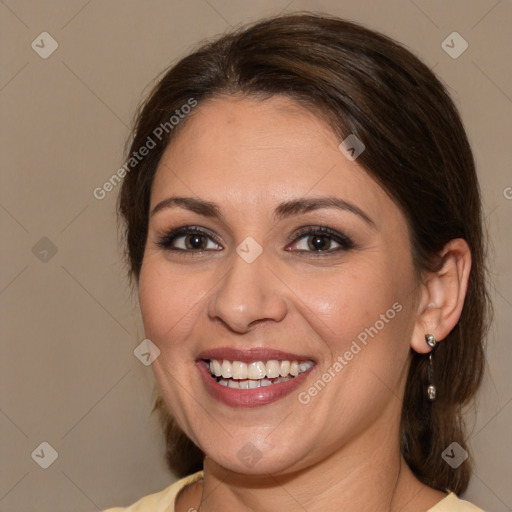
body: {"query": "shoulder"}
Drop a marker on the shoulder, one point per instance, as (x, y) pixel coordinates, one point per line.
(162, 501)
(453, 504)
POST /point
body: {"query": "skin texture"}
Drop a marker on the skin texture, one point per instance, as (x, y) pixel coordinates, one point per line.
(248, 156)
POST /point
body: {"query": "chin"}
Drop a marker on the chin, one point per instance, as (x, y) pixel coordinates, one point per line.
(248, 457)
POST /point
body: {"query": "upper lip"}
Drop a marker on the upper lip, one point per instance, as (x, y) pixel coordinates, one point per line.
(248, 355)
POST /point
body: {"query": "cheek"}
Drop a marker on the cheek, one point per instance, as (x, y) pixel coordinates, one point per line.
(348, 300)
(362, 313)
(169, 302)
(364, 328)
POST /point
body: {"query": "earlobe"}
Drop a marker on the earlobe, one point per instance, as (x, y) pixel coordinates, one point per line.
(442, 295)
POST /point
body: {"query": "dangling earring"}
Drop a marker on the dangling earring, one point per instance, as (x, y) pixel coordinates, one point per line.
(431, 341)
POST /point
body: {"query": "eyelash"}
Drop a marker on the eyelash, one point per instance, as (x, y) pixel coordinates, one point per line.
(345, 243)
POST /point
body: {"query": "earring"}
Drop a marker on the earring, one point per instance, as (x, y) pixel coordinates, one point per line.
(431, 341)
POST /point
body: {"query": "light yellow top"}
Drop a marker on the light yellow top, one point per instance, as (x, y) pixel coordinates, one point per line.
(163, 501)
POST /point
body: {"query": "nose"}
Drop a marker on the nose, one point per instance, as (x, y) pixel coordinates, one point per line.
(249, 294)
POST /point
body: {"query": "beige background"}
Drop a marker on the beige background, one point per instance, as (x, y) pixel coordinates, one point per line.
(69, 327)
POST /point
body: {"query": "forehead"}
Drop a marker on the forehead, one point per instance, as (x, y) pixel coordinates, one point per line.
(251, 152)
(234, 125)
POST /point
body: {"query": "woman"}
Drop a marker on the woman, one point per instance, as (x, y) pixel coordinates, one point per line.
(303, 224)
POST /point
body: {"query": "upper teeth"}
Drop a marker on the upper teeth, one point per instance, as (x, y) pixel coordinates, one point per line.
(257, 369)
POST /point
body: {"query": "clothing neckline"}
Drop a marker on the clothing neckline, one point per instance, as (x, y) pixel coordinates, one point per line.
(449, 499)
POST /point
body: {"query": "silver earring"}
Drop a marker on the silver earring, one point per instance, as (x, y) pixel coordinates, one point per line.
(431, 341)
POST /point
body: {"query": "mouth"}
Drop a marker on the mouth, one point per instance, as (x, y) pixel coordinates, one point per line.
(255, 374)
(252, 377)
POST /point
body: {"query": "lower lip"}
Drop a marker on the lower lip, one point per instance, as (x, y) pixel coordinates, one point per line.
(249, 397)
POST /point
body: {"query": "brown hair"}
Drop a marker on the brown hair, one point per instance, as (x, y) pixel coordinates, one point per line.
(362, 83)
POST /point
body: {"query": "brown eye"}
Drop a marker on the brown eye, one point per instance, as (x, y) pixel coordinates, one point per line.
(198, 242)
(321, 240)
(189, 239)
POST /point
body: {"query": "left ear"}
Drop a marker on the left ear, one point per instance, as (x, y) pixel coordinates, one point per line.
(442, 295)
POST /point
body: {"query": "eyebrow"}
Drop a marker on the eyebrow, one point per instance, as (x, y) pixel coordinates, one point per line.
(282, 211)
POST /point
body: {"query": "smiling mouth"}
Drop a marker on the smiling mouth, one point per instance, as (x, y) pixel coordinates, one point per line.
(255, 374)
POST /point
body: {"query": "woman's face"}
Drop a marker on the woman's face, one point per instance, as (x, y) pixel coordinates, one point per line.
(256, 285)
